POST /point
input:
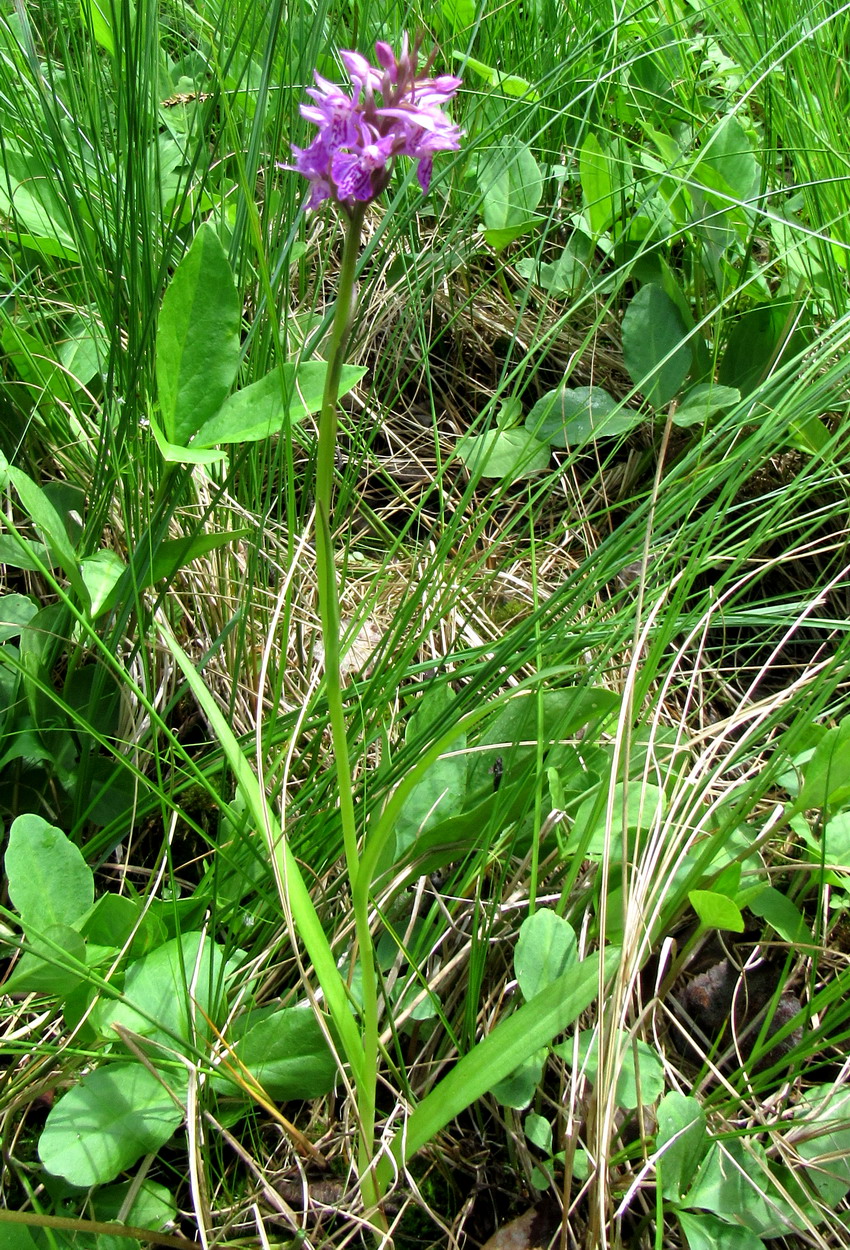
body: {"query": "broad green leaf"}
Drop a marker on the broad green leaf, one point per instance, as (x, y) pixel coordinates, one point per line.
(287, 1053)
(442, 789)
(518, 1088)
(21, 553)
(729, 881)
(564, 275)
(452, 837)
(17, 1237)
(97, 15)
(707, 1232)
(34, 361)
(176, 453)
(49, 881)
(101, 573)
(511, 736)
(83, 349)
(826, 777)
(31, 196)
(546, 947)
(54, 963)
(809, 434)
(735, 1181)
(170, 556)
(197, 340)
(510, 183)
(112, 919)
(509, 455)
(574, 416)
(640, 1079)
(641, 803)
(110, 1119)
(833, 844)
(654, 348)
(16, 611)
(503, 1050)
(702, 402)
(783, 915)
(513, 85)
(825, 1141)
(509, 414)
(757, 342)
(110, 793)
(538, 1130)
(151, 1205)
(460, 14)
(26, 745)
(177, 553)
(425, 1009)
(500, 237)
(277, 401)
(48, 522)
(727, 161)
(681, 1142)
(751, 347)
(70, 503)
(716, 911)
(160, 989)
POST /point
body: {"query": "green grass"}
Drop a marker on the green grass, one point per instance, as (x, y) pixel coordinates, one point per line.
(581, 693)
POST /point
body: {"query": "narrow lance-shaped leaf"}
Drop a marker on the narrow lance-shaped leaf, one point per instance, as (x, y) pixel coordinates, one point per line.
(197, 341)
(503, 1050)
(655, 347)
(277, 400)
(597, 184)
(49, 523)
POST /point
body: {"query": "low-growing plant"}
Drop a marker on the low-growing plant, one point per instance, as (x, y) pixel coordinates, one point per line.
(421, 728)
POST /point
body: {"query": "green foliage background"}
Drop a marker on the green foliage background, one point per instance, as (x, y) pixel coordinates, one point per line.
(591, 521)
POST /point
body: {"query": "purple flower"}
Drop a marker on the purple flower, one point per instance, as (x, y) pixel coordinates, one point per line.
(350, 159)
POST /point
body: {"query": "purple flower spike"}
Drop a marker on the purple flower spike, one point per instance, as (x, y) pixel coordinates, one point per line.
(350, 159)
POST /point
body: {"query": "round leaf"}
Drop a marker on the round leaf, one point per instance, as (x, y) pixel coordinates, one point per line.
(507, 454)
(641, 1075)
(103, 1125)
(538, 1130)
(716, 911)
(546, 948)
(574, 416)
(518, 1089)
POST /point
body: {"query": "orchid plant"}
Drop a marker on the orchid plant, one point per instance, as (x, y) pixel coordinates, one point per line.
(350, 163)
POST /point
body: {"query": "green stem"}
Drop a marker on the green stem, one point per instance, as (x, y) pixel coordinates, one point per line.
(331, 630)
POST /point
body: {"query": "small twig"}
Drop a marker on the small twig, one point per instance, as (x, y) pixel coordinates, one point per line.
(66, 1223)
